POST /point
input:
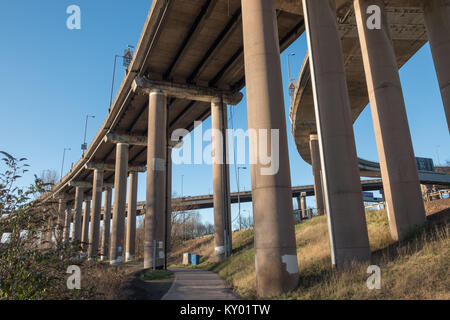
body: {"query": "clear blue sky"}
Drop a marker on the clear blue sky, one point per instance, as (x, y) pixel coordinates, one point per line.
(51, 77)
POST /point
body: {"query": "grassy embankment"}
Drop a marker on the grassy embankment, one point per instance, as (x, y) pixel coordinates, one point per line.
(417, 268)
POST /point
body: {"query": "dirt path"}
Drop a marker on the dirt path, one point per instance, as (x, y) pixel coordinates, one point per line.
(192, 284)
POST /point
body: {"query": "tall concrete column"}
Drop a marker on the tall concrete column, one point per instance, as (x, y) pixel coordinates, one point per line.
(61, 219)
(315, 161)
(168, 239)
(67, 222)
(94, 232)
(106, 223)
(303, 206)
(85, 227)
(395, 151)
(156, 180)
(78, 214)
(221, 182)
(299, 206)
(120, 196)
(437, 22)
(49, 233)
(131, 217)
(275, 246)
(349, 239)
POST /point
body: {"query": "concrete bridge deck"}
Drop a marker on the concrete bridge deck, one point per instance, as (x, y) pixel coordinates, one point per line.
(407, 27)
(194, 46)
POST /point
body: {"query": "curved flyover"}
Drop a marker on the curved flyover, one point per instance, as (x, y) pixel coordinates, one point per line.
(408, 35)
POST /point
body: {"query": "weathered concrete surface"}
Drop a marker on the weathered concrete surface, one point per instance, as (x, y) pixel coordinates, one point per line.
(94, 232)
(85, 228)
(106, 224)
(395, 150)
(120, 195)
(317, 173)
(221, 182)
(78, 214)
(275, 247)
(154, 227)
(349, 239)
(131, 217)
(408, 33)
(437, 21)
(198, 285)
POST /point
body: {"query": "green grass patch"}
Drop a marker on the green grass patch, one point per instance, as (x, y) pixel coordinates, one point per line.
(150, 275)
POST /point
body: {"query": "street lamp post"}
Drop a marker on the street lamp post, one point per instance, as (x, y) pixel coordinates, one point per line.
(127, 57)
(290, 80)
(62, 165)
(239, 198)
(84, 145)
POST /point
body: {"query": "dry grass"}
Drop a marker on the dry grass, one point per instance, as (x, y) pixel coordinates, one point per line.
(100, 281)
(417, 268)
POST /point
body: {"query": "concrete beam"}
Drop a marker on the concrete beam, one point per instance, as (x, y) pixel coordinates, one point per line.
(80, 184)
(112, 167)
(186, 91)
(126, 138)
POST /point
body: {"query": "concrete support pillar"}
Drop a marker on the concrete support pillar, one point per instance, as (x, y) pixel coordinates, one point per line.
(275, 246)
(437, 22)
(168, 239)
(120, 196)
(299, 206)
(156, 181)
(94, 232)
(315, 161)
(67, 222)
(78, 214)
(395, 151)
(341, 181)
(221, 181)
(106, 223)
(61, 219)
(49, 233)
(85, 226)
(303, 207)
(131, 217)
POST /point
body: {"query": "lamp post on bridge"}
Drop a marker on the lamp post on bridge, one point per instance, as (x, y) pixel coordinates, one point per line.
(127, 57)
(290, 80)
(62, 165)
(84, 145)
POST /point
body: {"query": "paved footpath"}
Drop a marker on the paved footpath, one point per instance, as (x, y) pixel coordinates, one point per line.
(192, 284)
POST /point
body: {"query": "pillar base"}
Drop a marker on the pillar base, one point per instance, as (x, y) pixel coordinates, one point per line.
(129, 257)
(116, 262)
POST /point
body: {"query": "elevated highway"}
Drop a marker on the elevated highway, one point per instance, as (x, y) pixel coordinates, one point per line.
(207, 201)
(192, 60)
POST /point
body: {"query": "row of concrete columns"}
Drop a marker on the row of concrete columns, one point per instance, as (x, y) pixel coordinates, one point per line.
(86, 223)
(334, 143)
(336, 176)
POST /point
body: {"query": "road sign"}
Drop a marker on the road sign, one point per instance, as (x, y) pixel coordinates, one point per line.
(291, 88)
(127, 57)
